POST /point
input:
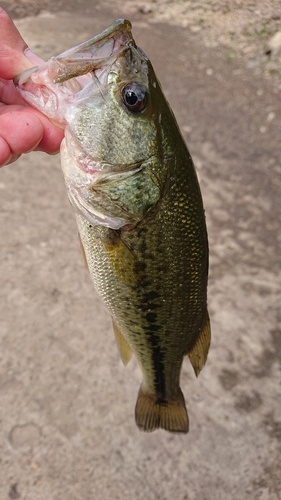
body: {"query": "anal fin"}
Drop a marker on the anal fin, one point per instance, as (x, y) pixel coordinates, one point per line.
(124, 349)
(152, 413)
(199, 353)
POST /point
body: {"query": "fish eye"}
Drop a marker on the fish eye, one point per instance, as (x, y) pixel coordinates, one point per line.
(134, 97)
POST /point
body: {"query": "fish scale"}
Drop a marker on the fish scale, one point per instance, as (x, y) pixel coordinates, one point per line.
(139, 210)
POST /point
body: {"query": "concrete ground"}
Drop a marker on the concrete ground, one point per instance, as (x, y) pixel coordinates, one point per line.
(66, 401)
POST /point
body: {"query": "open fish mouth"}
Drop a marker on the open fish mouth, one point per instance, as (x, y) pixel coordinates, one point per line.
(93, 53)
(54, 85)
(83, 58)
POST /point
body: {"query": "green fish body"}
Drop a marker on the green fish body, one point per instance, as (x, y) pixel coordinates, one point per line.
(132, 183)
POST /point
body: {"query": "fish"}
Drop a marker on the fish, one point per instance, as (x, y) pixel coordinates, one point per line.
(133, 187)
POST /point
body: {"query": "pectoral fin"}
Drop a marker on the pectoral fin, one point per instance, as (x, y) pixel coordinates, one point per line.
(125, 350)
(198, 354)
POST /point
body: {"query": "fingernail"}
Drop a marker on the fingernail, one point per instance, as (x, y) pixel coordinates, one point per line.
(35, 147)
(10, 158)
(33, 57)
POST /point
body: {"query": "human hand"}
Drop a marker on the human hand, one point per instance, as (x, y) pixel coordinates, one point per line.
(22, 128)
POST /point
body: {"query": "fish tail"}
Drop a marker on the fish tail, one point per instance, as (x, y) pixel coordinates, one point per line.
(152, 413)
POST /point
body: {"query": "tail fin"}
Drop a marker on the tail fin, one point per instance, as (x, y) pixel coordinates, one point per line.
(152, 414)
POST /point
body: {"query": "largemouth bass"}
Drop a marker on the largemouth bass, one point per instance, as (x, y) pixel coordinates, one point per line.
(133, 186)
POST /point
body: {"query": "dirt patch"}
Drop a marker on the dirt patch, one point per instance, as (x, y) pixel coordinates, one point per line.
(238, 28)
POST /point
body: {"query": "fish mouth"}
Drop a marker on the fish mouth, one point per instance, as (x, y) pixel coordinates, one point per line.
(93, 53)
(54, 85)
(83, 58)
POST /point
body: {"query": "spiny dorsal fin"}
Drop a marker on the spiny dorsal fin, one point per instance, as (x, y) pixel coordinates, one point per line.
(124, 349)
(198, 355)
(152, 414)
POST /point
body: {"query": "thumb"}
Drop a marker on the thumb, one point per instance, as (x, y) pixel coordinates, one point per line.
(12, 48)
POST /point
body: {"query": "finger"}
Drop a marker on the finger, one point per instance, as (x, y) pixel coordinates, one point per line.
(9, 93)
(36, 60)
(52, 136)
(22, 131)
(5, 152)
(12, 47)
(19, 122)
(10, 34)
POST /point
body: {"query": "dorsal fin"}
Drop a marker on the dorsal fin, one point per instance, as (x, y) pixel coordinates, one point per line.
(199, 353)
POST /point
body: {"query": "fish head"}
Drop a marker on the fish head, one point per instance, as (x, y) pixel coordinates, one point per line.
(112, 119)
(105, 94)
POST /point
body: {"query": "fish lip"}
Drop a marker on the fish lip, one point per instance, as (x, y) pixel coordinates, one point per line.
(91, 54)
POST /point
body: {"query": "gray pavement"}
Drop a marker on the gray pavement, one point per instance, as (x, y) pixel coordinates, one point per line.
(66, 401)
